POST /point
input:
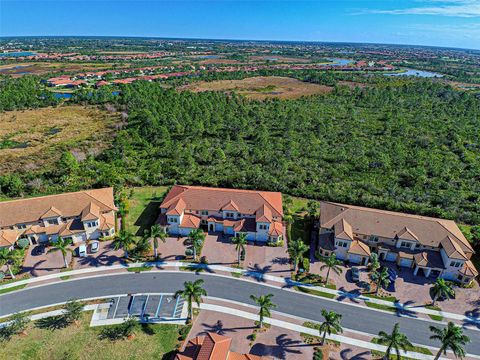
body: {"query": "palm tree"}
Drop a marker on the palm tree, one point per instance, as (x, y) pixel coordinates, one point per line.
(142, 247)
(331, 324)
(156, 233)
(452, 338)
(265, 304)
(396, 340)
(312, 209)
(196, 237)
(123, 240)
(381, 278)
(296, 250)
(62, 245)
(7, 257)
(374, 262)
(192, 291)
(331, 263)
(240, 241)
(442, 290)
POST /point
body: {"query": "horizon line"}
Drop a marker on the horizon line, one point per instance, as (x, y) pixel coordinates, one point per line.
(236, 40)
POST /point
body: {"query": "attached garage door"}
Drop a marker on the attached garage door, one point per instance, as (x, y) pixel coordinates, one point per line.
(357, 259)
(391, 256)
(405, 262)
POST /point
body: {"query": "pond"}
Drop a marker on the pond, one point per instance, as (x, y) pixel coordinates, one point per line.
(338, 62)
(417, 73)
(70, 95)
(18, 54)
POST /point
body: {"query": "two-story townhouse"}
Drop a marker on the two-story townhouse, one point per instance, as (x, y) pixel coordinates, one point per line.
(258, 214)
(78, 216)
(430, 246)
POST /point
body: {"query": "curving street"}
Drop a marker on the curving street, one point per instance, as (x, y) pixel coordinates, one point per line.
(294, 303)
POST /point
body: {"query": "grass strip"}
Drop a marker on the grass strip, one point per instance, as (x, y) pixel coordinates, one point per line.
(13, 288)
(380, 306)
(139, 268)
(315, 292)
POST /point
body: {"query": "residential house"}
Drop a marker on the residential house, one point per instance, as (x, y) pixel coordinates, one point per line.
(79, 216)
(430, 246)
(213, 346)
(258, 214)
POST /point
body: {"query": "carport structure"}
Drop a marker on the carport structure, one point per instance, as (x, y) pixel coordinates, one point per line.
(153, 308)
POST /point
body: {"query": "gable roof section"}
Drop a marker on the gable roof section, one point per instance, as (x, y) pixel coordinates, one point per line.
(230, 206)
(91, 212)
(8, 237)
(190, 221)
(263, 214)
(452, 249)
(68, 204)
(429, 231)
(176, 208)
(50, 213)
(276, 229)
(359, 248)
(343, 230)
(407, 234)
(214, 199)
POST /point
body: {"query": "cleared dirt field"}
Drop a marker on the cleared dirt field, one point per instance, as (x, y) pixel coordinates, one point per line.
(32, 139)
(262, 87)
(40, 68)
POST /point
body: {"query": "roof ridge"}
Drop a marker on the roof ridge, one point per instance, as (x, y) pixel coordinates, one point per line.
(269, 203)
(87, 192)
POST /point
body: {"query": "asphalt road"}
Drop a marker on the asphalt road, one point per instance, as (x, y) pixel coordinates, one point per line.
(361, 319)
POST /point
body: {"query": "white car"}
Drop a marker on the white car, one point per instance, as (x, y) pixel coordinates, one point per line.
(82, 251)
(94, 246)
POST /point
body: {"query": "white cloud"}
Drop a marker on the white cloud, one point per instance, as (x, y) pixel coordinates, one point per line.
(457, 8)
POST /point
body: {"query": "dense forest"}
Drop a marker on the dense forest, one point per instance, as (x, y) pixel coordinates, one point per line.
(411, 146)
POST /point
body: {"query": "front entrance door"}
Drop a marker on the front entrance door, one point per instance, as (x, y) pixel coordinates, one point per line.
(212, 228)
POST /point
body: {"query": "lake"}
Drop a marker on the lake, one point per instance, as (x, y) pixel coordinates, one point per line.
(17, 54)
(68, 95)
(417, 73)
(338, 62)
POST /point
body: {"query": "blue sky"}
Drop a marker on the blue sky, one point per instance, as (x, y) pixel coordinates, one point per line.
(454, 23)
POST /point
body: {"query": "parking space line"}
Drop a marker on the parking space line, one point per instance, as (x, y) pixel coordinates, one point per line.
(158, 307)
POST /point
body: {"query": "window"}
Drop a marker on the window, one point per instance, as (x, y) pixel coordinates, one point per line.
(91, 224)
(404, 244)
(205, 212)
(229, 214)
(21, 226)
(374, 238)
(262, 227)
(52, 222)
(417, 246)
(173, 220)
(456, 264)
(342, 244)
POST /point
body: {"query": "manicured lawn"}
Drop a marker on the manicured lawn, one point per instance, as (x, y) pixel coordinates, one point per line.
(386, 298)
(82, 342)
(301, 228)
(143, 210)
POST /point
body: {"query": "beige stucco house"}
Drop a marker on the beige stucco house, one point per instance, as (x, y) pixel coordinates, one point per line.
(258, 214)
(79, 216)
(429, 246)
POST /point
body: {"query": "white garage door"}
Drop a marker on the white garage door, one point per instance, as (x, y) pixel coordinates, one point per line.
(405, 262)
(357, 259)
(391, 256)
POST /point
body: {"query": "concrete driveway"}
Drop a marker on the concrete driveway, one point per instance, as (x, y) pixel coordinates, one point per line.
(38, 264)
(218, 249)
(106, 255)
